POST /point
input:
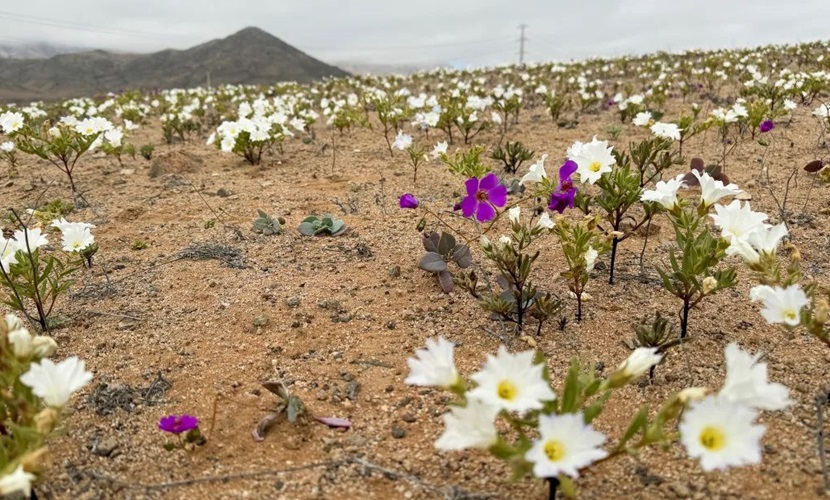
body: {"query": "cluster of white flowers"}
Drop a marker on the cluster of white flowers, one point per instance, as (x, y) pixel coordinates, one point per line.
(719, 429)
(11, 121)
(76, 237)
(54, 383)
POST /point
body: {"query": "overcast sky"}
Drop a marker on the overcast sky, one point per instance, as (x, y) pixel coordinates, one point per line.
(459, 32)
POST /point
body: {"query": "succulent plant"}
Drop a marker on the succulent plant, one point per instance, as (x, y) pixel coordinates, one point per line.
(267, 225)
(442, 249)
(315, 226)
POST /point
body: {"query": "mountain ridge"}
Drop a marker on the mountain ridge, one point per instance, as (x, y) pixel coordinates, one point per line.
(249, 56)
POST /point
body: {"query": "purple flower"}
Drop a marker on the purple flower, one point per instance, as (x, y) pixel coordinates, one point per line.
(176, 424)
(766, 126)
(563, 197)
(482, 196)
(408, 200)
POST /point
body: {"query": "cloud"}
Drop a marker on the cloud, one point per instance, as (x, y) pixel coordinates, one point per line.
(422, 32)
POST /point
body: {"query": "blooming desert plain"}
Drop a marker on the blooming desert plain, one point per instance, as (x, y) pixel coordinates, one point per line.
(600, 279)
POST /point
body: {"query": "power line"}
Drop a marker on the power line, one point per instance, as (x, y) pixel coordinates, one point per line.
(42, 21)
(386, 48)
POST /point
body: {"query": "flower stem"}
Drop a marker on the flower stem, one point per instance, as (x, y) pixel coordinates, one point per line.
(553, 485)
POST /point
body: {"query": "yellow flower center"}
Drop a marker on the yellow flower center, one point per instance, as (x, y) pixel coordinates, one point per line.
(594, 167)
(712, 438)
(507, 390)
(554, 450)
(790, 315)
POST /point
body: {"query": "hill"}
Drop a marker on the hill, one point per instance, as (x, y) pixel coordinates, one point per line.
(249, 56)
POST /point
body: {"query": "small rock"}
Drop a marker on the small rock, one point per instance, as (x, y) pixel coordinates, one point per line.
(398, 432)
(394, 271)
(125, 325)
(223, 193)
(322, 396)
(261, 321)
(409, 418)
(390, 325)
(106, 448)
(353, 389)
(679, 489)
(292, 301)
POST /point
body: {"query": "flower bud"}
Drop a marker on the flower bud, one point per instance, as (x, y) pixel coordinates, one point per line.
(505, 241)
(44, 346)
(709, 284)
(54, 132)
(484, 242)
(46, 420)
(639, 362)
(690, 394)
(821, 312)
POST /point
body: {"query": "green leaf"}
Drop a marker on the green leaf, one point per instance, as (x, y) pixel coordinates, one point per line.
(571, 391)
(307, 228)
(432, 262)
(295, 408)
(638, 422)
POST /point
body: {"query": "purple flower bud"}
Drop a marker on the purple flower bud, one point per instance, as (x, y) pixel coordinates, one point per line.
(408, 200)
(766, 126)
(176, 424)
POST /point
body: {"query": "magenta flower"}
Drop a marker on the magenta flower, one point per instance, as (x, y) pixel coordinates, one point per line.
(766, 126)
(482, 197)
(176, 424)
(408, 200)
(563, 197)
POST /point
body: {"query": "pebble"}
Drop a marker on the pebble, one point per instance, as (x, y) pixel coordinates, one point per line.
(261, 320)
(292, 301)
(398, 432)
(106, 448)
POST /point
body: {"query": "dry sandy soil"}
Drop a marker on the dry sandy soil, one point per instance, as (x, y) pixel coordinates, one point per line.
(336, 318)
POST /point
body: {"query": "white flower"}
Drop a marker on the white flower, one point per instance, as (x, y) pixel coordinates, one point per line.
(593, 159)
(495, 117)
(565, 445)
(227, 144)
(664, 193)
(721, 434)
(54, 132)
(8, 249)
(211, 140)
(439, 149)
(21, 342)
(781, 305)
(30, 239)
(639, 362)
(536, 172)
(590, 258)
(16, 482)
(545, 222)
(130, 125)
(7, 147)
(514, 214)
(790, 105)
(712, 190)
(666, 130)
(767, 238)
(642, 119)
(11, 122)
(512, 382)
(77, 238)
(298, 124)
(505, 241)
(746, 382)
(55, 383)
(472, 426)
(434, 365)
(402, 141)
(823, 111)
(737, 221)
(113, 137)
